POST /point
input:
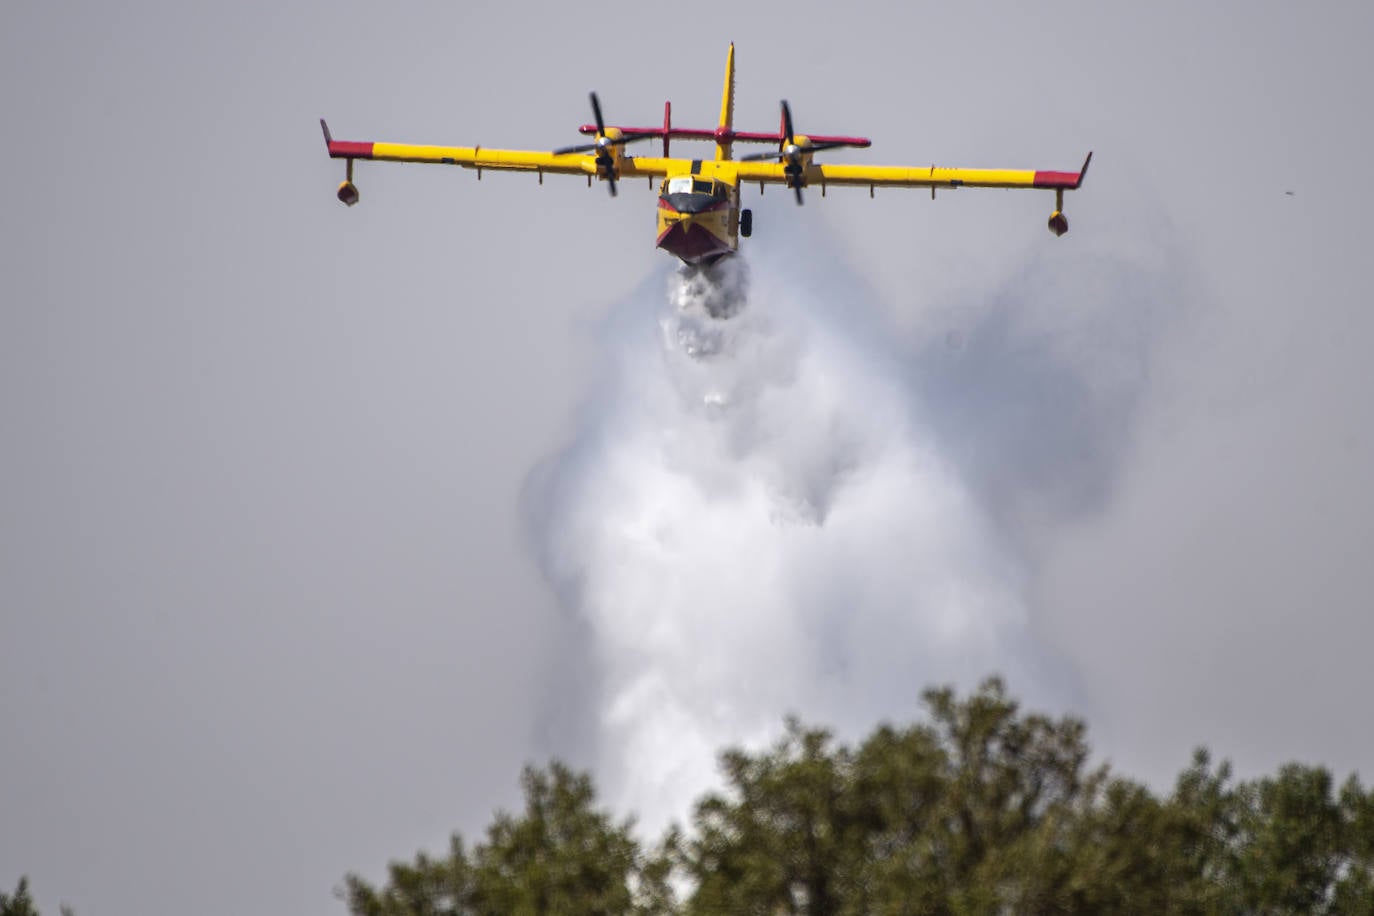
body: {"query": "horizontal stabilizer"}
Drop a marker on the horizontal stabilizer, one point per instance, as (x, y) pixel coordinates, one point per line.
(719, 135)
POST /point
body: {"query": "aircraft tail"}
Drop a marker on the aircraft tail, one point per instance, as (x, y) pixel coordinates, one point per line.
(727, 105)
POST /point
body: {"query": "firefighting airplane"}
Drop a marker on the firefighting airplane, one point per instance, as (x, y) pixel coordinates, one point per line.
(699, 215)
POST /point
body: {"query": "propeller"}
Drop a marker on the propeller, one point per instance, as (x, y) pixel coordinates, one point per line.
(602, 146)
(791, 152)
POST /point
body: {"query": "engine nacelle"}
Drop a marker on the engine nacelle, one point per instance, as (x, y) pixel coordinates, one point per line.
(1059, 223)
(348, 192)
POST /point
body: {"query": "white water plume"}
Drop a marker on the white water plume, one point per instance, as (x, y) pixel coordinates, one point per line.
(753, 524)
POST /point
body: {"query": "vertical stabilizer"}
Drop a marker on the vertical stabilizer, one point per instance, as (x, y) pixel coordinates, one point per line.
(727, 105)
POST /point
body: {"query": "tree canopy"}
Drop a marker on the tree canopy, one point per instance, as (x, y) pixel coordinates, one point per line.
(20, 903)
(561, 856)
(979, 807)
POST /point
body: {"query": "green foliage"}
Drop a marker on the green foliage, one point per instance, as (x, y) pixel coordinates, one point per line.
(561, 856)
(964, 814)
(979, 808)
(21, 904)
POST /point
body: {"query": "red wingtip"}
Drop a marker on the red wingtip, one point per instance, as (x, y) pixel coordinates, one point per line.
(344, 149)
(1083, 172)
(1067, 181)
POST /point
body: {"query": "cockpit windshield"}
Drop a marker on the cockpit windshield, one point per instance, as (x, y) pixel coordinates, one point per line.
(685, 184)
(693, 194)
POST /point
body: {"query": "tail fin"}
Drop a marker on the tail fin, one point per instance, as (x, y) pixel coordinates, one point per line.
(727, 105)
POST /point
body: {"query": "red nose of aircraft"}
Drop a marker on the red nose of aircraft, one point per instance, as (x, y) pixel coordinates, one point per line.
(691, 242)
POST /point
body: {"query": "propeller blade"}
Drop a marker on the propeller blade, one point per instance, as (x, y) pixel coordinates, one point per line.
(604, 141)
(605, 163)
(596, 111)
(797, 188)
(813, 148)
(787, 122)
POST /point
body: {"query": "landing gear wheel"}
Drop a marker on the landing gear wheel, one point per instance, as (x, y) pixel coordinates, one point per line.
(746, 223)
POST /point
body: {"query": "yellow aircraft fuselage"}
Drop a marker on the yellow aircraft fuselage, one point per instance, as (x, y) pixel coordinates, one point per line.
(698, 215)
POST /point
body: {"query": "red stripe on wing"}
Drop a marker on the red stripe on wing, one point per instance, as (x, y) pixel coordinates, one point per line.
(1063, 179)
(723, 135)
(1056, 179)
(349, 149)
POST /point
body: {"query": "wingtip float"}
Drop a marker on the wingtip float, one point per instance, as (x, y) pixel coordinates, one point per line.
(699, 215)
(348, 191)
(1061, 182)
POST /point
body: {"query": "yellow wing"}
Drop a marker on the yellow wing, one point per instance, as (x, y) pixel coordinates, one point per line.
(797, 171)
(472, 157)
(611, 165)
(880, 176)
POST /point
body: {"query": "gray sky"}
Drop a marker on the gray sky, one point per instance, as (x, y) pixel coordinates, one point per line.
(268, 607)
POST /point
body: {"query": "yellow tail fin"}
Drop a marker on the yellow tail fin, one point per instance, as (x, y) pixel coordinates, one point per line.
(727, 104)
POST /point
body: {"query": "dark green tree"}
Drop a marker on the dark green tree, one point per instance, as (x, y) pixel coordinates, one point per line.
(785, 841)
(561, 856)
(964, 814)
(427, 887)
(21, 903)
(1013, 782)
(978, 808)
(1354, 890)
(1305, 847)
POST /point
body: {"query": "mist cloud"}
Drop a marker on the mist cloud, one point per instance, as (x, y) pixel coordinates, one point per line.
(753, 522)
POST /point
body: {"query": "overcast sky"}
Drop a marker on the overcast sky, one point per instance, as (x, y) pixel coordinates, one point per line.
(272, 605)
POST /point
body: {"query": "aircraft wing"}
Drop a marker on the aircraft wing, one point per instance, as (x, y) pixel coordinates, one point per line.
(876, 176)
(472, 157)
